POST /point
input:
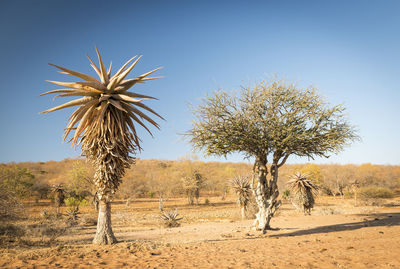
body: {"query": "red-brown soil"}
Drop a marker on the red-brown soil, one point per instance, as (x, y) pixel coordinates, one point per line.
(336, 235)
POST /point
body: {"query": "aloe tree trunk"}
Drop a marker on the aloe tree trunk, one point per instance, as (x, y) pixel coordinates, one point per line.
(243, 212)
(266, 192)
(104, 234)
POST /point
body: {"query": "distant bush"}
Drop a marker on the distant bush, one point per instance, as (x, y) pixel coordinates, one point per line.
(46, 231)
(73, 204)
(73, 201)
(142, 178)
(43, 232)
(10, 207)
(286, 194)
(10, 230)
(89, 220)
(41, 190)
(18, 181)
(80, 184)
(375, 192)
(326, 189)
(192, 183)
(349, 194)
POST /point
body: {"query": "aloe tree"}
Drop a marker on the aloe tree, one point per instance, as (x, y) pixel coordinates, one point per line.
(268, 123)
(104, 127)
(303, 192)
(242, 187)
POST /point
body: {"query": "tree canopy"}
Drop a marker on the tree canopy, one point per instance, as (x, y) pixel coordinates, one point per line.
(274, 118)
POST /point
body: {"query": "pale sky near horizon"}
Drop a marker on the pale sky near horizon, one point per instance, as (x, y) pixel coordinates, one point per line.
(349, 50)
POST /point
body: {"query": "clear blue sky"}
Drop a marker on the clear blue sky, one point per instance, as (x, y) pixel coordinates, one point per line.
(350, 50)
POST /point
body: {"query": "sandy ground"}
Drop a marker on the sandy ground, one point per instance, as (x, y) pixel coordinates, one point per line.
(369, 238)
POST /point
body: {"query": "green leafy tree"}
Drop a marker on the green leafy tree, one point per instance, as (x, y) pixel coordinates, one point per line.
(269, 122)
(104, 127)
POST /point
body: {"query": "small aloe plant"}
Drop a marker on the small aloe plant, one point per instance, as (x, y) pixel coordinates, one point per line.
(242, 188)
(171, 218)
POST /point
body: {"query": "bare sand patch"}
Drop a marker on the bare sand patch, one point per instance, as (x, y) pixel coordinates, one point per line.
(336, 235)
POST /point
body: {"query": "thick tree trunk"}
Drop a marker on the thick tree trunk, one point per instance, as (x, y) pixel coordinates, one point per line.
(266, 194)
(104, 234)
(267, 205)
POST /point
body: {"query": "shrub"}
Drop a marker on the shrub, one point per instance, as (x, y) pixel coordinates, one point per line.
(375, 192)
(47, 231)
(11, 230)
(72, 215)
(18, 181)
(80, 184)
(10, 207)
(192, 183)
(10, 233)
(286, 194)
(89, 220)
(41, 190)
(73, 202)
(349, 194)
(43, 232)
(326, 189)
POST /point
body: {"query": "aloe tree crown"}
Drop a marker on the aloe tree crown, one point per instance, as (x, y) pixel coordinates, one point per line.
(99, 96)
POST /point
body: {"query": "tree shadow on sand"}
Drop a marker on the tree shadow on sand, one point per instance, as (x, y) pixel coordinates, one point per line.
(371, 220)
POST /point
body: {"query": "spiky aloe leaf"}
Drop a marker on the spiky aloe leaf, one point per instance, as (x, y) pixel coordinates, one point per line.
(110, 90)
